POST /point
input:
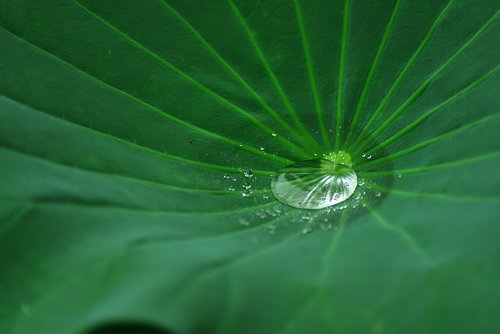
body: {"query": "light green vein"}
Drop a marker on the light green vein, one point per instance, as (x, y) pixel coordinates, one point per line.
(281, 92)
(371, 73)
(325, 265)
(233, 72)
(427, 83)
(206, 133)
(159, 154)
(437, 196)
(150, 212)
(426, 169)
(219, 265)
(241, 231)
(209, 92)
(311, 75)
(415, 246)
(431, 112)
(404, 152)
(145, 182)
(385, 101)
(316, 292)
(9, 222)
(341, 76)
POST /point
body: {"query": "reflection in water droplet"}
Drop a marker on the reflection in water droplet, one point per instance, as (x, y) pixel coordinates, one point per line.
(314, 184)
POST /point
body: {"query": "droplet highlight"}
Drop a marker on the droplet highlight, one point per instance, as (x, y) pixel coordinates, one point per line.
(314, 184)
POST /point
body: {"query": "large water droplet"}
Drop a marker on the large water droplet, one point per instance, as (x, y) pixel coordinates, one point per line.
(314, 184)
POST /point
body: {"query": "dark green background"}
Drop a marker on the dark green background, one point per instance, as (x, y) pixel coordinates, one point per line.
(119, 119)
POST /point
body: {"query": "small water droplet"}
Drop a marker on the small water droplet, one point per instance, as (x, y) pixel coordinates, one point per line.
(369, 157)
(244, 222)
(246, 185)
(325, 226)
(226, 176)
(399, 175)
(262, 148)
(231, 188)
(307, 230)
(246, 193)
(265, 196)
(248, 174)
(271, 229)
(274, 134)
(25, 309)
(314, 184)
(378, 194)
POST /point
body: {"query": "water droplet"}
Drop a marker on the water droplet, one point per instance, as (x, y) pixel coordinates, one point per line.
(262, 148)
(246, 193)
(378, 194)
(248, 174)
(25, 309)
(274, 134)
(369, 157)
(231, 188)
(244, 222)
(265, 196)
(314, 184)
(399, 175)
(307, 229)
(226, 176)
(246, 185)
(271, 229)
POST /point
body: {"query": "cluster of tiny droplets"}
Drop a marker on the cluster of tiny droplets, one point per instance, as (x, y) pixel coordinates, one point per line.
(246, 185)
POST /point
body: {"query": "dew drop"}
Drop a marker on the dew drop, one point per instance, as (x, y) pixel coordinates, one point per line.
(265, 196)
(274, 134)
(246, 185)
(314, 184)
(226, 176)
(231, 188)
(244, 222)
(307, 230)
(262, 148)
(248, 174)
(25, 309)
(271, 229)
(246, 193)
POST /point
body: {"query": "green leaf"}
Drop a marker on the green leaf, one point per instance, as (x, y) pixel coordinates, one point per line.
(128, 130)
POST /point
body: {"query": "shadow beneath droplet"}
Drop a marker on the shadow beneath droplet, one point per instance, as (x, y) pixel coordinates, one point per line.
(127, 328)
